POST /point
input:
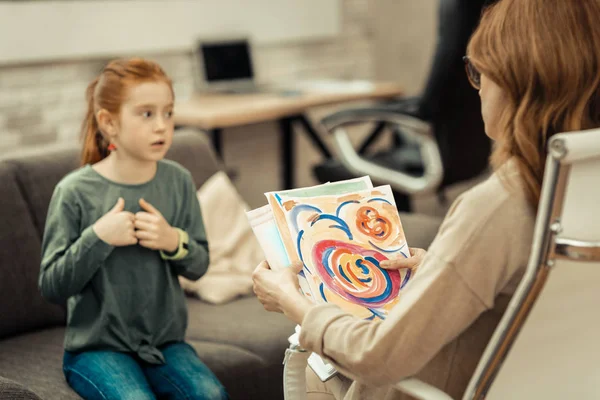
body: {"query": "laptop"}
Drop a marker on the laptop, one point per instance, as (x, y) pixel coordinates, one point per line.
(225, 65)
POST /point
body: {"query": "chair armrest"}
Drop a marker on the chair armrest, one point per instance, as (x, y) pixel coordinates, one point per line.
(13, 390)
(418, 130)
(421, 390)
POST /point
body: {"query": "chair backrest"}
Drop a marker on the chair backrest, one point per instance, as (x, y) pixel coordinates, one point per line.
(448, 101)
(547, 344)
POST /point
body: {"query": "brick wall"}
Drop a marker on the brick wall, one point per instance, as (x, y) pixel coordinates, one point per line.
(44, 103)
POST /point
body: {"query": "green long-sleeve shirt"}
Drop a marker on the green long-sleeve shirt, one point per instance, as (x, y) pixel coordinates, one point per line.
(120, 298)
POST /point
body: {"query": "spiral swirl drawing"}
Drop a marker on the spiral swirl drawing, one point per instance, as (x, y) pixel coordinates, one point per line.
(342, 240)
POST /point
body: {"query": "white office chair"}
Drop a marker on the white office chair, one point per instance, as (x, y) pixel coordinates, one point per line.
(547, 344)
(552, 327)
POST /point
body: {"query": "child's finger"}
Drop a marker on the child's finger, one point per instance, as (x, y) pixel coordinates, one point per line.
(149, 207)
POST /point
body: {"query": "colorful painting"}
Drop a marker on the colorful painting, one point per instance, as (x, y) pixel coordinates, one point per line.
(341, 239)
(276, 200)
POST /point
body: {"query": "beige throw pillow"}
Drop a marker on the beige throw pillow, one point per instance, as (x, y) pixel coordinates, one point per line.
(234, 250)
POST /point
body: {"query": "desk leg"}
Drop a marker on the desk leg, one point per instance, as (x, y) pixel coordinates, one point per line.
(287, 152)
(217, 141)
(313, 135)
(288, 156)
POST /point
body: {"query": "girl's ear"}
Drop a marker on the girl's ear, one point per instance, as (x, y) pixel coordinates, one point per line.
(107, 124)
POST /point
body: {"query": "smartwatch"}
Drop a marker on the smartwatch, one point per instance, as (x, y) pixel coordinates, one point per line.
(182, 247)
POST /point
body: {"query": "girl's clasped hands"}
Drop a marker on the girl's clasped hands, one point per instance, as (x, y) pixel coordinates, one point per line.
(148, 228)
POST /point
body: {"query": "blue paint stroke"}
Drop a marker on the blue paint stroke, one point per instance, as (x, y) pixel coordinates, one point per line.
(300, 234)
(376, 314)
(372, 260)
(363, 268)
(344, 274)
(389, 251)
(379, 199)
(325, 261)
(406, 278)
(337, 212)
(382, 296)
(342, 224)
(340, 228)
(322, 291)
(297, 210)
(278, 198)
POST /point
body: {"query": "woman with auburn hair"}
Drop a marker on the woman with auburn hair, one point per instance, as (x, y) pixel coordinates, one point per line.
(536, 66)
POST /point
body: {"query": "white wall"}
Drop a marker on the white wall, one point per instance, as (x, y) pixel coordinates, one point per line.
(54, 30)
(404, 36)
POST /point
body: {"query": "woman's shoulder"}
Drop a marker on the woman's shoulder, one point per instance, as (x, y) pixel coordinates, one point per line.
(503, 190)
(490, 211)
(486, 234)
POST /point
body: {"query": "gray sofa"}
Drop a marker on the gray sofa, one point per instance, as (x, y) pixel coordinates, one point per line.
(239, 341)
(243, 344)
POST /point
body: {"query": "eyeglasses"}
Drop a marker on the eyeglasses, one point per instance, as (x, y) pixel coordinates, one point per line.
(472, 73)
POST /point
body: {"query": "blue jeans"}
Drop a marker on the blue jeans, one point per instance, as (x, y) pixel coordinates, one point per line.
(109, 375)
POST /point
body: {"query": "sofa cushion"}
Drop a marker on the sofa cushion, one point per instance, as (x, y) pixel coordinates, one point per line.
(242, 322)
(15, 391)
(192, 149)
(234, 249)
(245, 375)
(35, 361)
(21, 306)
(38, 173)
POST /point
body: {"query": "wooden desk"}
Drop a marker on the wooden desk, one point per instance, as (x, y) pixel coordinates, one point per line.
(213, 112)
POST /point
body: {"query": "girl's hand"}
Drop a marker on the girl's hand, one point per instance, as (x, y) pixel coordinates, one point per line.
(153, 231)
(413, 262)
(278, 291)
(116, 226)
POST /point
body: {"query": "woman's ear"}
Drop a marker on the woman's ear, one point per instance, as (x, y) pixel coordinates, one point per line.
(107, 124)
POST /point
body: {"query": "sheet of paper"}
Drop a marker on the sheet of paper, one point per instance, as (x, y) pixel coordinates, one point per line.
(264, 228)
(341, 239)
(276, 200)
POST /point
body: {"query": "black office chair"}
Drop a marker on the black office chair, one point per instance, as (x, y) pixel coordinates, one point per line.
(439, 137)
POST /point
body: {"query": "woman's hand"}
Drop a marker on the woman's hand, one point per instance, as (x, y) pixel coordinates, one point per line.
(116, 226)
(278, 291)
(413, 262)
(153, 231)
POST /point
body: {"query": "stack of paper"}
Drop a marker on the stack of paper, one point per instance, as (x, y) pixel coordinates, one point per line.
(340, 232)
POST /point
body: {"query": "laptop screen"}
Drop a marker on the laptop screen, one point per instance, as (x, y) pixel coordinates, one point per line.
(226, 61)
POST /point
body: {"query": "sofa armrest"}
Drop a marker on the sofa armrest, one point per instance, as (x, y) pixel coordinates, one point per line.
(15, 391)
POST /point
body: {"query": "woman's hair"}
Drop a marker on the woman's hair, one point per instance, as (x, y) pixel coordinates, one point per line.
(545, 55)
(108, 91)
